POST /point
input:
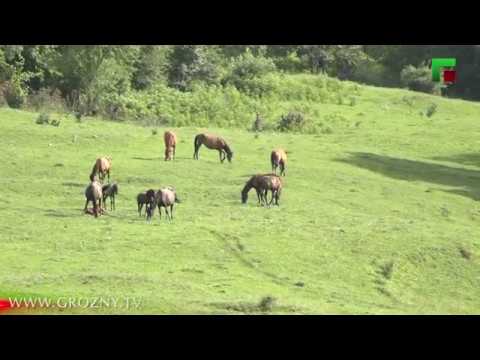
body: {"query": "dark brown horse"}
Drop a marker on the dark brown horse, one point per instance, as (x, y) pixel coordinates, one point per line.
(170, 144)
(93, 193)
(109, 191)
(150, 203)
(279, 158)
(102, 167)
(215, 143)
(262, 183)
(141, 200)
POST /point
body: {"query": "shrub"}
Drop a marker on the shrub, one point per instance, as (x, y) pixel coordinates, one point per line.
(55, 123)
(387, 270)
(258, 124)
(431, 110)
(295, 122)
(246, 71)
(15, 95)
(46, 99)
(418, 79)
(43, 118)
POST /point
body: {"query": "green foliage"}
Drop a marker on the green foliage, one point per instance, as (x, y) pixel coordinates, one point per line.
(43, 118)
(418, 79)
(295, 122)
(431, 110)
(189, 63)
(246, 73)
(46, 99)
(128, 82)
(151, 66)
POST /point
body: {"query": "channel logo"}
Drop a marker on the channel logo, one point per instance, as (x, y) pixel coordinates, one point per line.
(443, 70)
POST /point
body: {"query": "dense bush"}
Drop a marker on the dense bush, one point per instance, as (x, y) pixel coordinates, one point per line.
(247, 71)
(46, 99)
(295, 122)
(419, 79)
(431, 110)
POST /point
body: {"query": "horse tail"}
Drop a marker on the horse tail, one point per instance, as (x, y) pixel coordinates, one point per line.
(197, 140)
(196, 145)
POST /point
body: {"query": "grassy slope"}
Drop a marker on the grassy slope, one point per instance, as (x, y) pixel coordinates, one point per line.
(388, 186)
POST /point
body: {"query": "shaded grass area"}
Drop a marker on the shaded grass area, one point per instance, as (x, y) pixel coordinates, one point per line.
(468, 181)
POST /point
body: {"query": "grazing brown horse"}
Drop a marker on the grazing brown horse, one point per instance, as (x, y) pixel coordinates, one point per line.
(170, 143)
(102, 166)
(279, 158)
(93, 193)
(215, 143)
(262, 183)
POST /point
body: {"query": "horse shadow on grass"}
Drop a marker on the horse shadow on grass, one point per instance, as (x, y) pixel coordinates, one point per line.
(74, 184)
(62, 214)
(466, 181)
(148, 159)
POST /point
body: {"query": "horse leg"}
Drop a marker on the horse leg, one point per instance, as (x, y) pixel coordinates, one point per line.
(174, 147)
(86, 204)
(220, 153)
(140, 206)
(195, 154)
(171, 211)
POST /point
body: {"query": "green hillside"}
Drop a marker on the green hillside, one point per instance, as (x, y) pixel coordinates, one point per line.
(379, 213)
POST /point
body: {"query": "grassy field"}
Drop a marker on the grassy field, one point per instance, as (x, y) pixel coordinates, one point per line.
(380, 216)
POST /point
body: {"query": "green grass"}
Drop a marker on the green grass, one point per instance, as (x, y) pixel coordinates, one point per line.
(380, 216)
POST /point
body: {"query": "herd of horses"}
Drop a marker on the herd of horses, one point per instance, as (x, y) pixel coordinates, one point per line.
(166, 197)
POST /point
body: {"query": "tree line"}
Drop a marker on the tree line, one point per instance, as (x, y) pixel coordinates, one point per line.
(82, 75)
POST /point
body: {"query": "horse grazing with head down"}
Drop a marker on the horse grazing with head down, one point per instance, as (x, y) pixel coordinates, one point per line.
(102, 167)
(94, 193)
(278, 158)
(262, 183)
(170, 143)
(215, 143)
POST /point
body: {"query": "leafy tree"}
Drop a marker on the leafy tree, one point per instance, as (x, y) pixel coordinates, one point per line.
(151, 66)
(189, 63)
